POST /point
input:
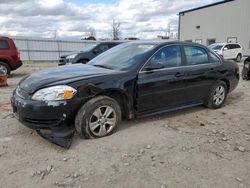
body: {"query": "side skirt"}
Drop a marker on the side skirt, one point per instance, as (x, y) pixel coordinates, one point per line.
(152, 113)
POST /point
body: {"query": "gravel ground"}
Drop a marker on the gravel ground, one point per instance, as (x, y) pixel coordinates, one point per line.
(191, 148)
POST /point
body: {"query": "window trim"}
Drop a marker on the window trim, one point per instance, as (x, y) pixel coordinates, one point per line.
(194, 46)
(183, 56)
(169, 45)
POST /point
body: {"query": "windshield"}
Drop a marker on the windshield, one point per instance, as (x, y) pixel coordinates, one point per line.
(89, 47)
(216, 47)
(122, 57)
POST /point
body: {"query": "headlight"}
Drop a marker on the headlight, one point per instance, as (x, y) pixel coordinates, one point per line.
(54, 93)
(71, 56)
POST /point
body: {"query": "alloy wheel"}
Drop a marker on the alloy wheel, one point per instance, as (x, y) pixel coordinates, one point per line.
(102, 121)
(4, 69)
(219, 95)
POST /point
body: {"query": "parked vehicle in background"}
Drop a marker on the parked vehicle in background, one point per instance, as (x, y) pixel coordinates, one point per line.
(230, 51)
(87, 53)
(9, 55)
(246, 69)
(134, 79)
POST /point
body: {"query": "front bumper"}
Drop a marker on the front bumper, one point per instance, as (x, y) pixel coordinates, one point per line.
(44, 115)
(51, 120)
(66, 61)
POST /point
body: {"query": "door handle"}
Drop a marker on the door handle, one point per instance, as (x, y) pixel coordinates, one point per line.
(178, 74)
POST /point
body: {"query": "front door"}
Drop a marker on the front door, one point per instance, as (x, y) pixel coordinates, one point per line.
(161, 82)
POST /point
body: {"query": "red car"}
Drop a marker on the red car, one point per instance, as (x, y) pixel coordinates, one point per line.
(9, 55)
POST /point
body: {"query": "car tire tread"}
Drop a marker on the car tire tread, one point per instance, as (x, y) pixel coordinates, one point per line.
(83, 115)
(210, 103)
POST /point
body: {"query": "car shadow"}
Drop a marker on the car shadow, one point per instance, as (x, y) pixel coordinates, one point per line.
(163, 116)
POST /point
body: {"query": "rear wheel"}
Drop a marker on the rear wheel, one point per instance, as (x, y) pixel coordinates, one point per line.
(217, 96)
(99, 117)
(238, 58)
(4, 67)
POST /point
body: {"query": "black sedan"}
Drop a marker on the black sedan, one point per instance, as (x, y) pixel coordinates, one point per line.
(133, 79)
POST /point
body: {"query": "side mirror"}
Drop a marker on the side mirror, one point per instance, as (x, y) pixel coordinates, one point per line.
(153, 66)
(225, 49)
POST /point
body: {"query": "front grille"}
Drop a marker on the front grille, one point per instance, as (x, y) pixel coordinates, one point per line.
(21, 93)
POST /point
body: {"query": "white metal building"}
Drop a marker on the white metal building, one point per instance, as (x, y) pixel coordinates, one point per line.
(225, 21)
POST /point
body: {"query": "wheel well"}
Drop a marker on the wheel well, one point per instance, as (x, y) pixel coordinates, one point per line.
(121, 99)
(6, 61)
(227, 83)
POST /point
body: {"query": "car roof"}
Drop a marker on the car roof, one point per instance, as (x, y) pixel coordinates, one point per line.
(163, 43)
(3, 37)
(109, 42)
(224, 43)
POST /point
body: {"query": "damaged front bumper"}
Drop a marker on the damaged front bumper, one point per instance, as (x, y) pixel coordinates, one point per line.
(51, 120)
(61, 137)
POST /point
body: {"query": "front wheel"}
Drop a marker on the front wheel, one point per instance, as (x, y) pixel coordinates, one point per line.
(238, 58)
(98, 117)
(217, 96)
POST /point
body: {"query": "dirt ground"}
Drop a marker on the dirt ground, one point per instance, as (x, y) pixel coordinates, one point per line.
(191, 148)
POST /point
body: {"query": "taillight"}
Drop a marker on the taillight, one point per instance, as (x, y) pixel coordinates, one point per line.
(18, 55)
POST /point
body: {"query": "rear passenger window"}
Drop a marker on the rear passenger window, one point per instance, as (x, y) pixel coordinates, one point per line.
(195, 55)
(168, 57)
(237, 46)
(4, 44)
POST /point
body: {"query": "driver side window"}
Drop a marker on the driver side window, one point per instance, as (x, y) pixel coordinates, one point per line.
(167, 57)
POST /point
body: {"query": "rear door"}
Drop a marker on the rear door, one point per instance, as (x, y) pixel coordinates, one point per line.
(200, 72)
(237, 50)
(163, 87)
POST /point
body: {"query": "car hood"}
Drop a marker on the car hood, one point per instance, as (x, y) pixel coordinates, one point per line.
(46, 77)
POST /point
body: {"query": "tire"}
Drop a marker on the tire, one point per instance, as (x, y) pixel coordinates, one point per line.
(216, 98)
(5, 67)
(238, 58)
(101, 127)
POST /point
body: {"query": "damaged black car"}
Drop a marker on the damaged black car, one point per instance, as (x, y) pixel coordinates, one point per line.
(135, 79)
